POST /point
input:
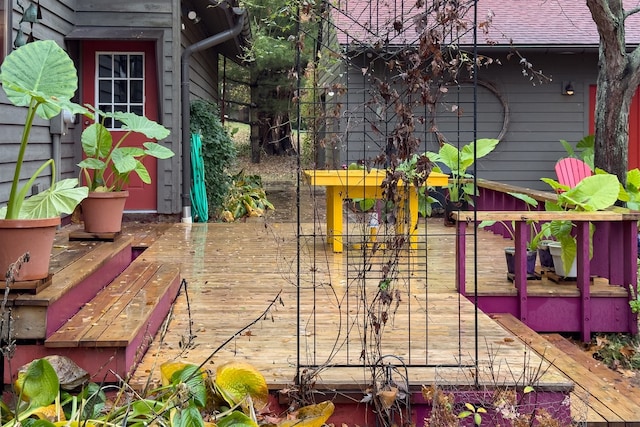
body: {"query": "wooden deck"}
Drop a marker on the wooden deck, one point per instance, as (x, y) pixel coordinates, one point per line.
(234, 272)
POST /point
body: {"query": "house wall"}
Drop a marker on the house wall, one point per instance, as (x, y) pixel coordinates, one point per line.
(203, 74)
(60, 17)
(538, 115)
(163, 16)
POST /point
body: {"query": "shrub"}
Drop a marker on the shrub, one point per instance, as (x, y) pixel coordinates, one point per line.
(218, 151)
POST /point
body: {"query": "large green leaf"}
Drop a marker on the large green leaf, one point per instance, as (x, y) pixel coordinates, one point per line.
(593, 193)
(96, 141)
(158, 151)
(141, 124)
(194, 379)
(188, 417)
(123, 161)
(236, 419)
(530, 201)
(91, 163)
(41, 70)
(450, 156)
(237, 380)
(142, 172)
(38, 384)
(482, 147)
(62, 197)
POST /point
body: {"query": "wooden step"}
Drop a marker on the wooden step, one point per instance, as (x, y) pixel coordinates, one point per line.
(112, 331)
(80, 270)
(604, 405)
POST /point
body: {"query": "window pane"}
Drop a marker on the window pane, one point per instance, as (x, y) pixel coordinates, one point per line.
(136, 91)
(137, 109)
(104, 66)
(136, 67)
(120, 66)
(120, 93)
(104, 91)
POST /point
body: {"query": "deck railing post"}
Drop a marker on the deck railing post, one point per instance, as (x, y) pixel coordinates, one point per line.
(583, 269)
(521, 233)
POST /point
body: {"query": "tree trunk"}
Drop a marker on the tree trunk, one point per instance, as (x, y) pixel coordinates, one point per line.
(254, 119)
(617, 82)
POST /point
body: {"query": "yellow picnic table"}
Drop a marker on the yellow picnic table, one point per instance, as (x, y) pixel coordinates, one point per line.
(344, 184)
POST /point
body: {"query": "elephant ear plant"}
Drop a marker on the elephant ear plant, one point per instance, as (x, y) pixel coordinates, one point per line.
(112, 164)
(41, 77)
(594, 193)
(461, 189)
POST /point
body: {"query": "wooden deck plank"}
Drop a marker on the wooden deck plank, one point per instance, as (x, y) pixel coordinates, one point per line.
(122, 329)
(236, 269)
(604, 399)
(97, 314)
(599, 369)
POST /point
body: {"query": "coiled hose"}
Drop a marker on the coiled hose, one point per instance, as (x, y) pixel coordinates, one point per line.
(199, 201)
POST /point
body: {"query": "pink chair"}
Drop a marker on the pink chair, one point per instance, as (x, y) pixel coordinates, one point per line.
(571, 171)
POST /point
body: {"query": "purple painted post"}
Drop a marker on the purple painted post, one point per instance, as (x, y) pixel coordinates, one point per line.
(630, 266)
(520, 279)
(583, 268)
(617, 255)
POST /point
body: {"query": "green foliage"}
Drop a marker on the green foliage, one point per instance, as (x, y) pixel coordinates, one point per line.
(112, 165)
(593, 193)
(218, 151)
(584, 150)
(618, 351)
(272, 53)
(246, 197)
(233, 398)
(458, 162)
(41, 77)
(474, 411)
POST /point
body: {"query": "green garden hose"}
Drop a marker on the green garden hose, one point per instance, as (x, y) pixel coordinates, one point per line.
(199, 201)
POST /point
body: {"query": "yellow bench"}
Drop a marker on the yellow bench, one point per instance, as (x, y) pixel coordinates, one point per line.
(356, 184)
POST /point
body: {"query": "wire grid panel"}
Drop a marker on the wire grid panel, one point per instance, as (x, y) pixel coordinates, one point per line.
(360, 111)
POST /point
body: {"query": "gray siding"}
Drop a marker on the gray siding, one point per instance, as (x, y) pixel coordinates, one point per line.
(539, 116)
(203, 73)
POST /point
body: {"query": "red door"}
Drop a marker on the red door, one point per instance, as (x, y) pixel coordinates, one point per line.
(634, 126)
(121, 76)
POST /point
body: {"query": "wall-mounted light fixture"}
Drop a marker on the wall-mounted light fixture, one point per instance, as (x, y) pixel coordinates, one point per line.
(193, 15)
(567, 88)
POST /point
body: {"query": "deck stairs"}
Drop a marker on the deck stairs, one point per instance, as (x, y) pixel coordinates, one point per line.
(102, 307)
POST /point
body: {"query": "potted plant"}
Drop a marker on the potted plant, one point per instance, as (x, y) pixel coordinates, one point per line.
(41, 77)
(593, 193)
(461, 189)
(532, 242)
(107, 167)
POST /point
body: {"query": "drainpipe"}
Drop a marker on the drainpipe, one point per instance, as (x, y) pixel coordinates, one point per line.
(185, 105)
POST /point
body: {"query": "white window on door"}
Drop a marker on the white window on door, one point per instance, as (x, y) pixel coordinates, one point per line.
(120, 84)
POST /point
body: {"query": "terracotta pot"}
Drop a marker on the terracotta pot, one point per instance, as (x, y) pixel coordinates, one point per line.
(18, 236)
(102, 212)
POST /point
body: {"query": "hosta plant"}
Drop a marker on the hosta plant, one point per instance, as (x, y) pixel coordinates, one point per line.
(189, 397)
